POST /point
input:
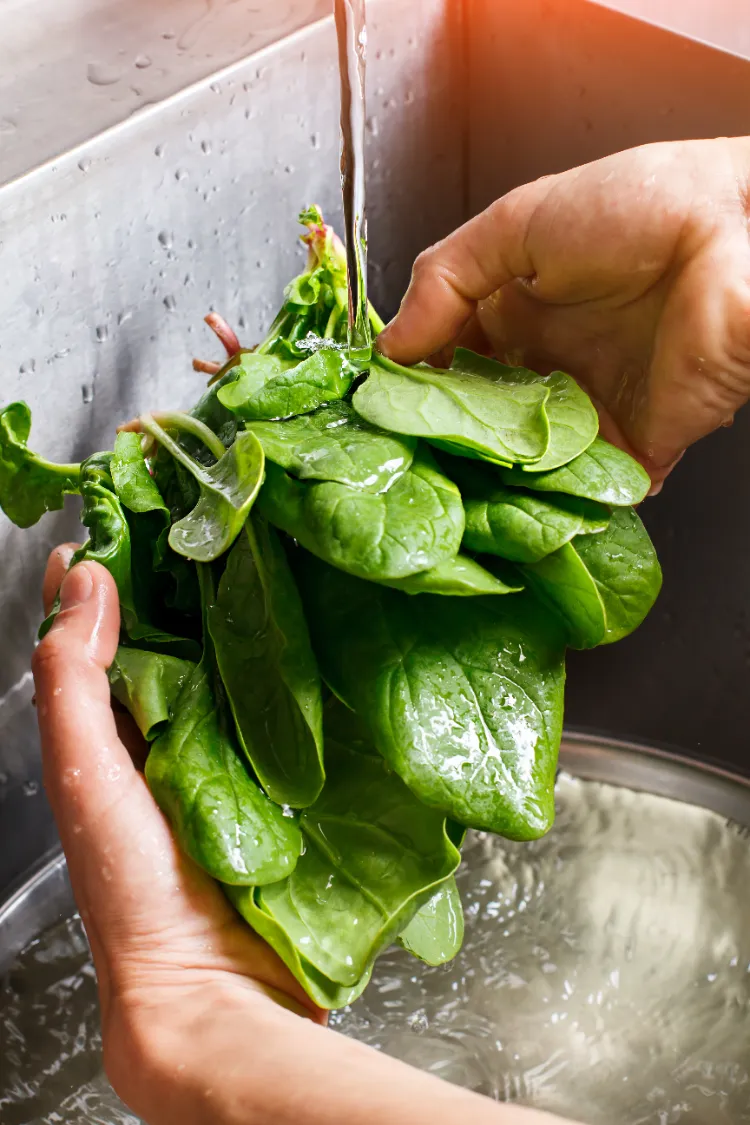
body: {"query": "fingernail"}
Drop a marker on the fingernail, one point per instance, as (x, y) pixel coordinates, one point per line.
(77, 587)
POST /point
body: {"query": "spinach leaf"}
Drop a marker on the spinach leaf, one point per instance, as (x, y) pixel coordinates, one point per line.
(602, 473)
(436, 932)
(132, 481)
(415, 525)
(219, 816)
(148, 684)
(29, 485)
(268, 386)
(335, 444)
(573, 421)
(227, 488)
(602, 586)
(266, 663)
(373, 856)
(471, 412)
(459, 577)
(522, 527)
(464, 699)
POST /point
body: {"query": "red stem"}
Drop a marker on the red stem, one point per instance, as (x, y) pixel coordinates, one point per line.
(207, 366)
(226, 334)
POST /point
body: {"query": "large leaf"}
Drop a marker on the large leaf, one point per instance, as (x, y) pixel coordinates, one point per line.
(263, 652)
(602, 473)
(436, 932)
(479, 413)
(227, 491)
(459, 577)
(29, 485)
(267, 386)
(148, 684)
(573, 421)
(415, 525)
(374, 855)
(602, 586)
(464, 698)
(335, 444)
(195, 771)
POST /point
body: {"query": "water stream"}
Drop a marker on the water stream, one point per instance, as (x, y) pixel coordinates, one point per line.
(352, 41)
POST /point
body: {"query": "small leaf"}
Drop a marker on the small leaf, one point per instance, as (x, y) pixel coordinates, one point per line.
(29, 485)
(603, 473)
(335, 444)
(269, 387)
(413, 526)
(436, 932)
(133, 483)
(148, 685)
(479, 413)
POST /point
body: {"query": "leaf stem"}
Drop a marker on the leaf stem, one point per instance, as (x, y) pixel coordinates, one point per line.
(157, 424)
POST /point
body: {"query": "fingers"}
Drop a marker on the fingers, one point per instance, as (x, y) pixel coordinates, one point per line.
(57, 566)
(451, 277)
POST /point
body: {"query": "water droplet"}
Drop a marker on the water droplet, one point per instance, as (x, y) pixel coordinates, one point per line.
(373, 127)
(143, 62)
(84, 165)
(103, 74)
(165, 238)
(102, 332)
(28, 367)
(7, 126)
(124, 316)
(159, 150)
(180, 174)
(288, 168)
(87, 393)
(30, 788)
(169, 303)
(168, 35)
(418, 1022)
(215, 88)
(206, 147)
(315, 140)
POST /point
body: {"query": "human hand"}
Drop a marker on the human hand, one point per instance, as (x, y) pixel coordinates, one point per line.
(200, 1020)
(631, 273)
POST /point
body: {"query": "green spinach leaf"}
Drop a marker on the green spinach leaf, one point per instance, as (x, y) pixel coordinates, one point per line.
(268, 386)
(524, 527)
(228, 489)
(602, 586)
(373, 856)
(436, 932)
(459, 577)
(29, 485)
(335, 444)
(602, 473)
(464, 699)
(415, 525)
(573, 421)
(471, 412)
(264, 656)
(148, 684)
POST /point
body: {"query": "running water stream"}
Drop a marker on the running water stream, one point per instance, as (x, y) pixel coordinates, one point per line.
(352, 40)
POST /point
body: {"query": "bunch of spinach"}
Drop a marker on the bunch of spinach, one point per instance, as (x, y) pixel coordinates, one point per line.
(346, 597)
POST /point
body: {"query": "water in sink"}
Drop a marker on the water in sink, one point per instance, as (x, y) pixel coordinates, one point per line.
(605, 976)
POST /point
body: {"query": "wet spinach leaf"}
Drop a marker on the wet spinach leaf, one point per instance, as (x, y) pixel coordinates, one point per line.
(335, 444)
(198, 778)
(463, 698)
(602, 586)
(268, 386)
(524, 527)
(436, 932)
(29, 485)
(374, 855)
(415, 525)
(228, 489)
(478, 413)
(603, 473)
(573, 421)
(459, 577)
(148, 685)
(266, 662)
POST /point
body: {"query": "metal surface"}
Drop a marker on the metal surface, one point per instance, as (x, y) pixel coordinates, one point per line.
(45, 896)
(112, 254)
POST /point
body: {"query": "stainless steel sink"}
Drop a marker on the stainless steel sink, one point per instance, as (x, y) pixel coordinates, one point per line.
(122, 223)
